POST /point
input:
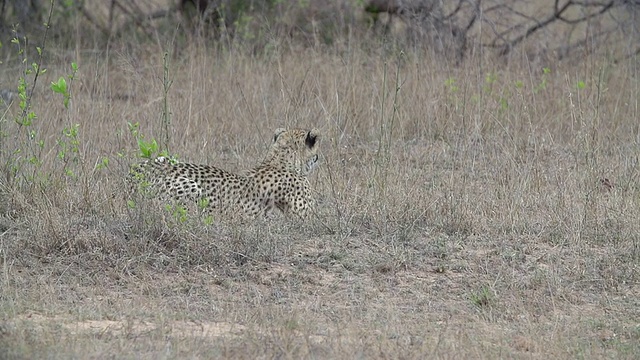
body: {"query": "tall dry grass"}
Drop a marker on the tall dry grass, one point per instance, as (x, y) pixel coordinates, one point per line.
(481, 211)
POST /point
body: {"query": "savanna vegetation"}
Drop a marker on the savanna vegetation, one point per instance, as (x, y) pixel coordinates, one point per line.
(478, 194)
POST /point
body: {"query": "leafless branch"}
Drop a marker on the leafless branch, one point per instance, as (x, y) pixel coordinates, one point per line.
(455, 11)
(604, 9)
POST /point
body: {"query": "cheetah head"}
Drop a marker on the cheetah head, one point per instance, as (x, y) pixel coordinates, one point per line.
(294, 150)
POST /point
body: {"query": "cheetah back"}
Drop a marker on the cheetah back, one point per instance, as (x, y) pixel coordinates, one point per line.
(184, 181)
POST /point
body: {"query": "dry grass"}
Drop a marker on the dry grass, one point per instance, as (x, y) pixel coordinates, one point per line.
(463, 212)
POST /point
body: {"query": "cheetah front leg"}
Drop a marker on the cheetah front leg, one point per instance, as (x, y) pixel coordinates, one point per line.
(300, 203)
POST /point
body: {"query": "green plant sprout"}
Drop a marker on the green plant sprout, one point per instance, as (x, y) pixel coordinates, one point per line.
(103, 164)
(61, 87)
(450, 84)
(31, 153)
(203, 203)
(543, 82)
(69, 142)
(483, 297)
(147, 148)
(69, 145)
(504, 103)
(131, 204)
(489, 80)
(178, 212)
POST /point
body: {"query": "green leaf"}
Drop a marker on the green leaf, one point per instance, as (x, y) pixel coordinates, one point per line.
(133, 128)
(504, 104)
(60, 87)
(491, 78)
(203, 203)
(147, 149)
(22, 85)
(581, 85)
(450, 83)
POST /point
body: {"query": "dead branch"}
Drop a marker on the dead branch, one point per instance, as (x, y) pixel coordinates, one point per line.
(558, 15)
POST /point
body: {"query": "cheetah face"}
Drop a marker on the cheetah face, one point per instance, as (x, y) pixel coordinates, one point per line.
(295, 149)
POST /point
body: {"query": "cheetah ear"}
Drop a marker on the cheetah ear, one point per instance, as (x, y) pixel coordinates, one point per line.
(277, 133)
(311, 138)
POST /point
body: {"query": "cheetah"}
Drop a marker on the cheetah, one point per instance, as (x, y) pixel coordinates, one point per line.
(280, 181)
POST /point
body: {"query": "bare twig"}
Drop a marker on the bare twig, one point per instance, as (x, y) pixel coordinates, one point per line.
(40, 55)
(455, 11)
(558, 10)
(111, 8)
(604, 9)
(505, 42)
(635, 53)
